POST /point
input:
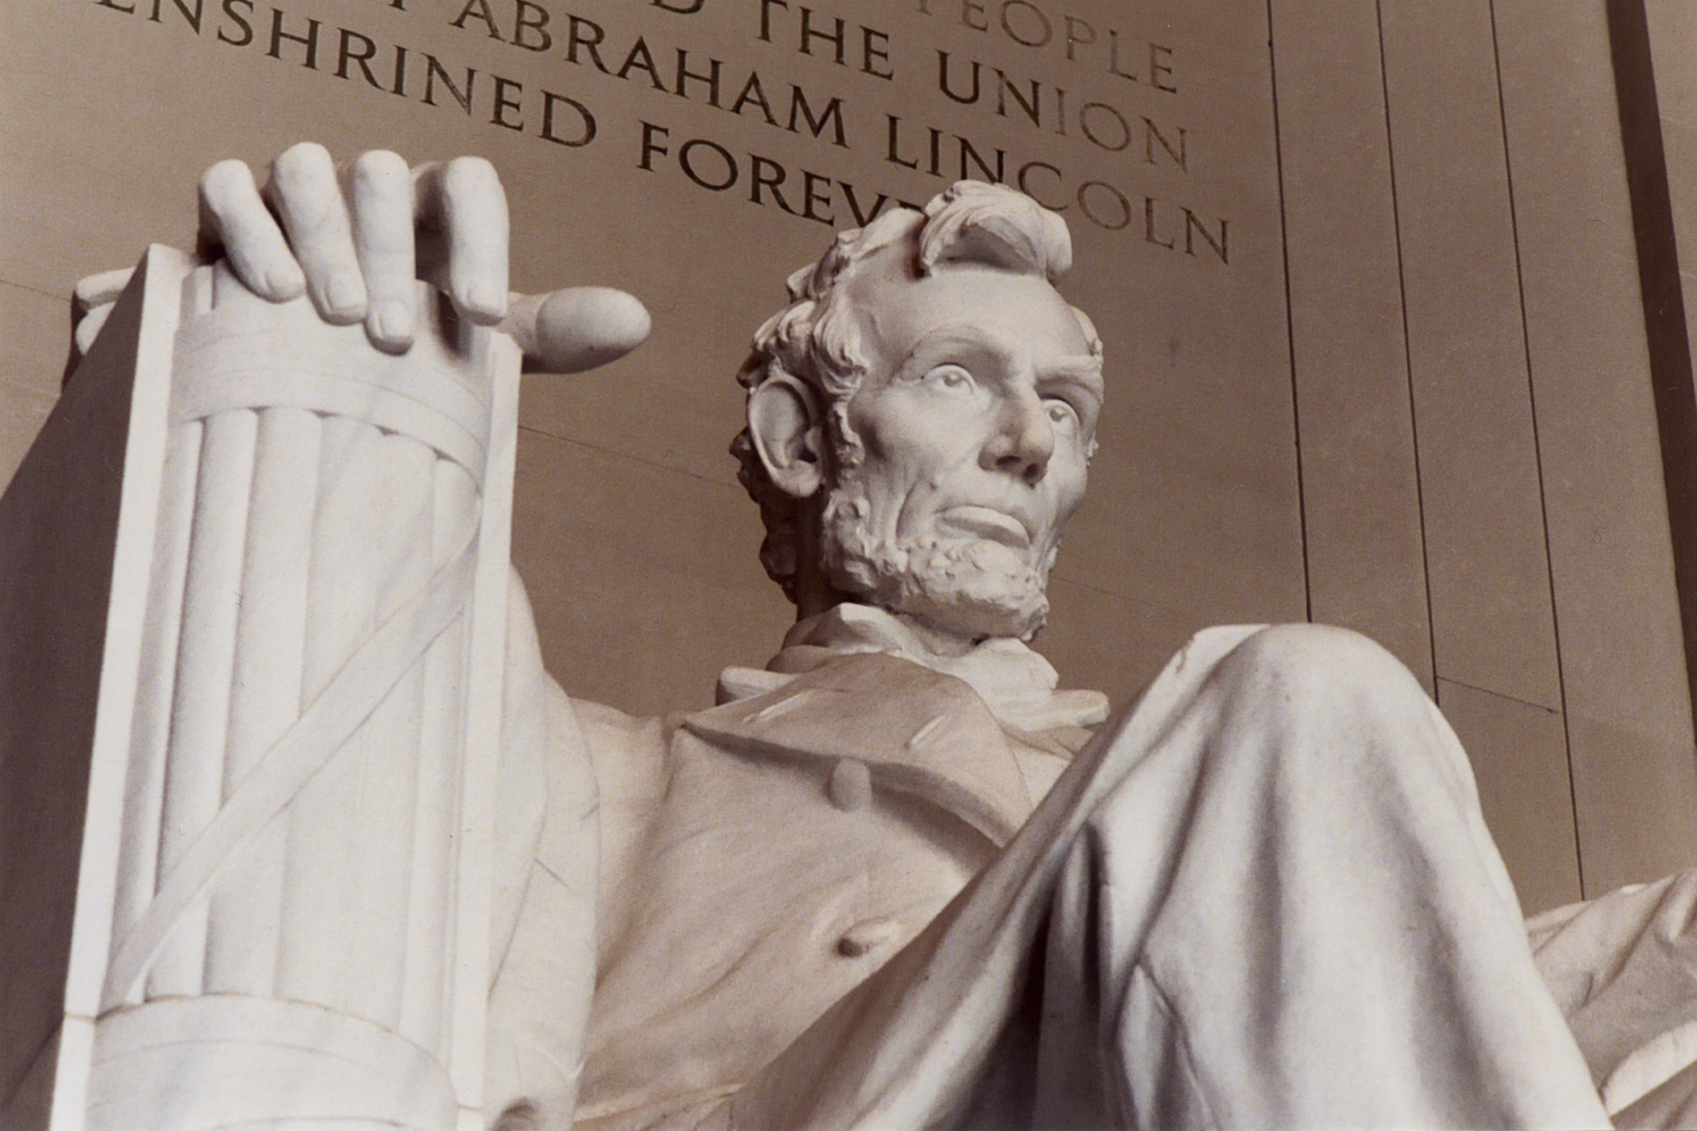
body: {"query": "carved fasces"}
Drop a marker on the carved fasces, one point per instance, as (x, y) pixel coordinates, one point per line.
(287, 868)
(287, 863)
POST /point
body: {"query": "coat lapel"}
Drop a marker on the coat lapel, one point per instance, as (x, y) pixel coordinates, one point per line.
(920, 734)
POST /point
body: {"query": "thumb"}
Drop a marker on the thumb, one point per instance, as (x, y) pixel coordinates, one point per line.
(575, 329)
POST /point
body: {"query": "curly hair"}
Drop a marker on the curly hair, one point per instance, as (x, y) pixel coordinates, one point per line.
(816, 339)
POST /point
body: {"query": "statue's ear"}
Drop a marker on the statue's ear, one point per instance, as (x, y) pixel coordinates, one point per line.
(784, 422)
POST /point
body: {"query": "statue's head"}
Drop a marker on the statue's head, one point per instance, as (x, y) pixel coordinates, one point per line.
(922, 415)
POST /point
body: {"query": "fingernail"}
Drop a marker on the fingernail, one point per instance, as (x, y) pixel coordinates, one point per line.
(487, 300)
(285, 283)
(344, 297)
(392, 322)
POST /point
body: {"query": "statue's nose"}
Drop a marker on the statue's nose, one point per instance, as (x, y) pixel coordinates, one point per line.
(1023, 441)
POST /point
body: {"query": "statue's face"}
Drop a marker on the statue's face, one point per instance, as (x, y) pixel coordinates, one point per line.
(977, 416)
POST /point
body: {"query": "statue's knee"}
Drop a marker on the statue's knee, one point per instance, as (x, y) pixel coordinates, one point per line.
(1327, 661)
(1317, 678)
(1313, 704)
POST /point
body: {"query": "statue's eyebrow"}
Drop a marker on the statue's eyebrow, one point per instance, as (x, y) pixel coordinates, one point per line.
(1083, 372)
(955, 335)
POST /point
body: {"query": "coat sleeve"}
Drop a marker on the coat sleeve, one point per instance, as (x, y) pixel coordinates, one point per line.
(548, 859)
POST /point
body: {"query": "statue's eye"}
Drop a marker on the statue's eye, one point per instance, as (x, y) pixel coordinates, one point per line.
(1061, 412)
(951, 379)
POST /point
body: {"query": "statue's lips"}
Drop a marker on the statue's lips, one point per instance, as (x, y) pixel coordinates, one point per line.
(987, 523)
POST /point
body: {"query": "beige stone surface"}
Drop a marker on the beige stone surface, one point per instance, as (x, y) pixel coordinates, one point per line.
(1491, 616)
(33, 327)
(1363, 537)
(1673, 31)
(1627, 810)
(1519, 756)
(1109, 643)
(1611, 561)
(607, 591)
(21, 419)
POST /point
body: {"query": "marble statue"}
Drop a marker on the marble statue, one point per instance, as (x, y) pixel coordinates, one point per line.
(898, 878)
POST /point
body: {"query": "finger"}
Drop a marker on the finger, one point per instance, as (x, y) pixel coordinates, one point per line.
(92, 302)
(99, 290)
(379, 189)
(576, 329)
(234, 217)
(463, 200)
(308, 196)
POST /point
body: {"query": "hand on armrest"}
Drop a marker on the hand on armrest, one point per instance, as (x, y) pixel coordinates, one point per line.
(353, 238)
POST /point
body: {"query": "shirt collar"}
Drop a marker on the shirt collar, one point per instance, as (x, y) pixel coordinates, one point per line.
(1017, 684)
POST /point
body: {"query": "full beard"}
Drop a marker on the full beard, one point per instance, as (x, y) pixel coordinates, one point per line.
(969, 587)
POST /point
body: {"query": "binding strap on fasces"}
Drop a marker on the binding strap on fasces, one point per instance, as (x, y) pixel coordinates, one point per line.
(306, 747)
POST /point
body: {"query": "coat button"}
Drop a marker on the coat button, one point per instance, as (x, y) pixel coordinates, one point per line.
(850, 785)
(864, 937)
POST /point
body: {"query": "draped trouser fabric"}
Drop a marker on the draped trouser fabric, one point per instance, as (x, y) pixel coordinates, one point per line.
(1265, 897)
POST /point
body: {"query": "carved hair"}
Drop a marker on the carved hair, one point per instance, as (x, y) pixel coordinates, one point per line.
(817, 341)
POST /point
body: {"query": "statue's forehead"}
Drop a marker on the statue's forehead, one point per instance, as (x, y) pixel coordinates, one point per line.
(899, 308)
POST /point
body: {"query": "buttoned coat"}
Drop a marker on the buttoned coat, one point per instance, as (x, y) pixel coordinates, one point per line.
(757, 860)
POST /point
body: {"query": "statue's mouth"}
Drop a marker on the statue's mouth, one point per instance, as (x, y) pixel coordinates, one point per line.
(987, 523)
